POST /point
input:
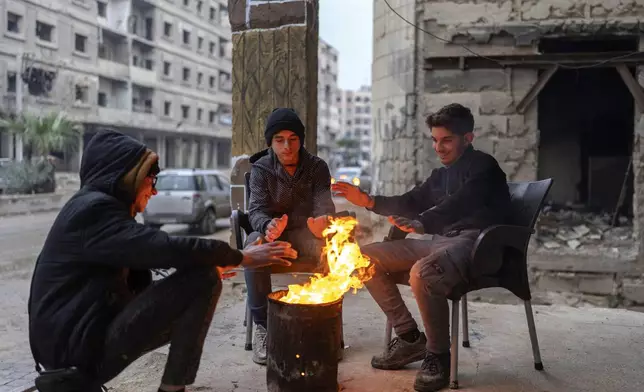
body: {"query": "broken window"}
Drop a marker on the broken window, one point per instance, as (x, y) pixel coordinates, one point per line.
(14, 23)
(11, 82)
(39, 82)
(586, 120)
(81, 94)
(44, 31)
(102, 99)
(101, 8)
(80, 43)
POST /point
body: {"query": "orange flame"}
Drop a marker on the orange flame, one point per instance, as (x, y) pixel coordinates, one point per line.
(344, 258)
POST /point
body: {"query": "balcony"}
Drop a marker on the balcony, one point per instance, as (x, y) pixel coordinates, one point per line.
(143, 76)
(113, 70)
(114, 116)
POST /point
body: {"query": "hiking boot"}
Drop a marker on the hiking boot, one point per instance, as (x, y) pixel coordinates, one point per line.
(433, 374)
(400, 353)
(259, 345)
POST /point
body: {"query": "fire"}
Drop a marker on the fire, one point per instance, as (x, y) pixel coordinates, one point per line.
(348, 267)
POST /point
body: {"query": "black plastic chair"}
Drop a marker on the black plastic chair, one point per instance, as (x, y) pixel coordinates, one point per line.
(306, 266)
(507, 245)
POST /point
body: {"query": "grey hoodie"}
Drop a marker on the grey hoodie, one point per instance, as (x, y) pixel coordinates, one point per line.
(274, 192)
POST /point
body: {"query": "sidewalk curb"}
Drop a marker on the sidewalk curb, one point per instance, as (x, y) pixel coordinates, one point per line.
(12, 205)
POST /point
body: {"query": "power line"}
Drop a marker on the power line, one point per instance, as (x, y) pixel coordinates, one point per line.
(564, 66)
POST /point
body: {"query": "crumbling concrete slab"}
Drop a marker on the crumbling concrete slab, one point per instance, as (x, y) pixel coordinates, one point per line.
(582, 349)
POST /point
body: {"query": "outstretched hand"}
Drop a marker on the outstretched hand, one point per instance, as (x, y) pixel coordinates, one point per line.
(259, 254)
(275, 228)
(407, 225)
(353, 194)
(317, 225)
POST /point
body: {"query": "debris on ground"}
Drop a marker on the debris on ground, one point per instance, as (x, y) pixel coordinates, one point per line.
(578, 231)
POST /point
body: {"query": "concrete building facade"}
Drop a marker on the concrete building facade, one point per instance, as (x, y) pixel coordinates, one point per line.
(356, 124)
(548, 82)
(159, 70)
(328, 108)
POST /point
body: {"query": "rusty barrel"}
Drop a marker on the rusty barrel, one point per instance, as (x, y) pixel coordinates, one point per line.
(302, 347)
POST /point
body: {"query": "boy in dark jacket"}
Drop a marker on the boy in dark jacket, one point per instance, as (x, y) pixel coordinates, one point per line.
(455, 204)
(290, 198)
(93, 305)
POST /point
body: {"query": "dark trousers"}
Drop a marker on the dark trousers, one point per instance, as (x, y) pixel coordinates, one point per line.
(434, 267)
(176, 310)
(258, 281)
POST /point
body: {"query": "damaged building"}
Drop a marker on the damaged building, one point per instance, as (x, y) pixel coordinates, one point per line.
(556, 92)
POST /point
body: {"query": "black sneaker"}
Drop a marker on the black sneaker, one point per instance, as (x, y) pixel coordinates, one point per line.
(400, 353)
(433, 374)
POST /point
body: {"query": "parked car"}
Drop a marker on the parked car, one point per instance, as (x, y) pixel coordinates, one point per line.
(355, 175)
(189, 196)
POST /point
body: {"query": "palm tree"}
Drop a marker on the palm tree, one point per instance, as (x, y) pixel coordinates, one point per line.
(44, 134)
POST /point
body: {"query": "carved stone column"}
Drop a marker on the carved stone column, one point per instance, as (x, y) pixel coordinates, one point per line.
(275, 64)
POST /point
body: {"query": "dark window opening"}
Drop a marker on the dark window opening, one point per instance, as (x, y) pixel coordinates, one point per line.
(44, 31)
(586, 122)
(80, 43)
(102, 100)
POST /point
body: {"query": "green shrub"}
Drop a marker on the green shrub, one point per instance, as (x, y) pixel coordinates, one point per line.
(28, 178)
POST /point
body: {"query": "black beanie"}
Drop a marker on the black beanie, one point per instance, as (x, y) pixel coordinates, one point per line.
(283, 119)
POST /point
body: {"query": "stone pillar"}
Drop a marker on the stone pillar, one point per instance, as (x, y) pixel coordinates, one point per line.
(275, 51)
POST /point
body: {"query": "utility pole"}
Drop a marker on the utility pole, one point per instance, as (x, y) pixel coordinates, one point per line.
(19, 99)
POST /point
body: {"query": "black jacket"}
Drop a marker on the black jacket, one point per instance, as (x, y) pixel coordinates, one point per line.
(472, 193)
(96, 255)
(274, 192)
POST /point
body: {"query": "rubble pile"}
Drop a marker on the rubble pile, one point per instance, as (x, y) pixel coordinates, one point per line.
(571, 230)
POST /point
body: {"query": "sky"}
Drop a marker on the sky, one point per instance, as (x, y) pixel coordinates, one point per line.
(347, 25)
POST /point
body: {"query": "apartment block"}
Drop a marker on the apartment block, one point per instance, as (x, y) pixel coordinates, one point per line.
(356, 133)
(328, 108)
(158, 70)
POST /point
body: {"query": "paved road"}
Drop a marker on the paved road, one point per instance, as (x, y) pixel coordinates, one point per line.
(21, 238)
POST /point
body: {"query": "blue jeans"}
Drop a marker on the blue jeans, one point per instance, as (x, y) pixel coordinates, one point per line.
(433, 269)
(258, 281)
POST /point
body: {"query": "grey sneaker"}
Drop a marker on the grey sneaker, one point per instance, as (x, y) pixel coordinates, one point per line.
(259, 345)
(400, 353)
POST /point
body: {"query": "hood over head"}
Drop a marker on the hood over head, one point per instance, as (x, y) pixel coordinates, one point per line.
(116, 164)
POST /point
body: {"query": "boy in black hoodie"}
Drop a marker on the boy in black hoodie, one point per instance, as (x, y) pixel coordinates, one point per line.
(290, 198)
(93, 305)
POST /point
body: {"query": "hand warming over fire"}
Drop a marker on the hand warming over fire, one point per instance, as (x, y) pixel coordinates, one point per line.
(353, 194)
(317, 225)
(276, 227)
(260, 254)
(407, 225)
